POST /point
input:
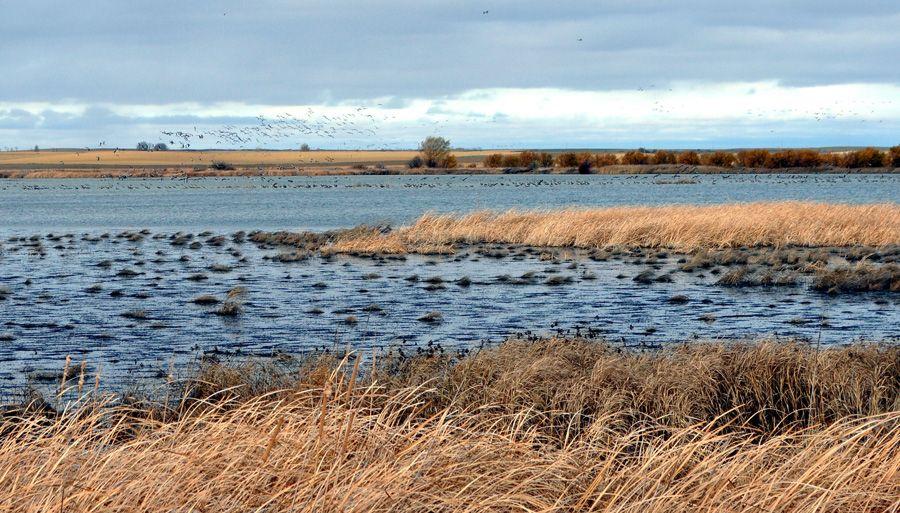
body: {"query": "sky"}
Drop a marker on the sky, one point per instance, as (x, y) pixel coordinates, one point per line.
(485, 74)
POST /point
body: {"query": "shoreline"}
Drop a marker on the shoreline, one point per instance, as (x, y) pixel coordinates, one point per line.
(19, 172)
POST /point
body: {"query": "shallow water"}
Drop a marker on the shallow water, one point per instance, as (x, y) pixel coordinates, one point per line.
(56, 314)
(318, 203)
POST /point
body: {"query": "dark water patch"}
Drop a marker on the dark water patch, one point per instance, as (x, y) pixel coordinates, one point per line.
(339, 302)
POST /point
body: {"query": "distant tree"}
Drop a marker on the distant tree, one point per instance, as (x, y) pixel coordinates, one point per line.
(36, 149)
(304, 147)
(143, 146)
(160, 147)
(435, 151)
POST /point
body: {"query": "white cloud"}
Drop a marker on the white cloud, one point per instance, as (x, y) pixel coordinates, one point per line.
(692, 113)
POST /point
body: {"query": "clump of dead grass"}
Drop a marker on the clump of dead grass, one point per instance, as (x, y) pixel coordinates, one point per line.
(556, 425)
(681, 227)
(861, 277)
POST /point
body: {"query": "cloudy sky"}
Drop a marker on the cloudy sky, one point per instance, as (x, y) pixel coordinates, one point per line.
(486, 73)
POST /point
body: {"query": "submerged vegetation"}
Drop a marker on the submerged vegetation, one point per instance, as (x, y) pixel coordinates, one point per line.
(834, 248)
(862, 277)
(549, 424)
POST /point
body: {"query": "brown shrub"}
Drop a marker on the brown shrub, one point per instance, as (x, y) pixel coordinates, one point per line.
(511, 161)
(893, 157)
(605, 159)
(752, 158)
(493, 160)
(689, 158)
(832, 159)
(529, 158)
(664, 157)
(567, 159)
(633, 158)
(535, 159)
(808, 158)
(867, 157)
(794, 158)
(718, 159)
(546, 159)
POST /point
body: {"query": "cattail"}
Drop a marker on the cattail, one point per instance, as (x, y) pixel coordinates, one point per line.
(346, 438)
(272, 439)
(353, 378)
(97, 379)
(65, 375)
(326, 395)
(170, 375)
(81, 377)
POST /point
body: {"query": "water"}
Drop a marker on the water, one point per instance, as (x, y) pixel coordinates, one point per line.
(301, 306)
(318, 203)
(51, 311)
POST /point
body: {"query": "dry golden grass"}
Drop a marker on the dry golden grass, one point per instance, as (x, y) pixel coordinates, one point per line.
(175, 158)
(682, 227)
(513, 429)
(162, 164)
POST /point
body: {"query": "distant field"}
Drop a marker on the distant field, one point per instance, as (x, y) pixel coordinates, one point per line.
(54, 159)
(200, 163)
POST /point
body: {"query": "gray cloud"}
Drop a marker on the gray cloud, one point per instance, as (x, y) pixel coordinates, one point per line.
(283, 52)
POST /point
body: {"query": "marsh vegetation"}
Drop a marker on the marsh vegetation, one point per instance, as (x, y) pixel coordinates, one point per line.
(549, 424)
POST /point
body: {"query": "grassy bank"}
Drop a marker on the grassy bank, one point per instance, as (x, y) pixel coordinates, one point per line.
(683, 227)
(548, 425)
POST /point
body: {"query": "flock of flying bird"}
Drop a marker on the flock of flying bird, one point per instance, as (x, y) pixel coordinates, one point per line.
(356, 125)
(358, 122)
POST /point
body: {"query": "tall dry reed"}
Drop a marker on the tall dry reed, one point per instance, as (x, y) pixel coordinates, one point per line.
(336, 441)
(681, 227)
